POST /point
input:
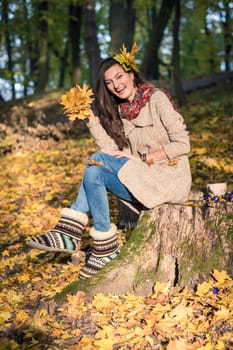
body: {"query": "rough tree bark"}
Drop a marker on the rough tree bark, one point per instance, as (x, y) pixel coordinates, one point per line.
(121, 12)
(75, 22)
(225, 16)
(42, 69)
(5, 21)
(91, 40)
(180, 95)
(150, 64)
(181, 244)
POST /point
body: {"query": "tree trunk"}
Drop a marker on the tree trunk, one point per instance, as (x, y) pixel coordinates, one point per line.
(121, 12)
(62, 54)
(180, 244)
(75, 19)
(206, 82)
(180, 95)
(5, 19)
(91, 42)
(42, 62)
(63, 65)
(225, 19)
(150, 61)
(27, 68)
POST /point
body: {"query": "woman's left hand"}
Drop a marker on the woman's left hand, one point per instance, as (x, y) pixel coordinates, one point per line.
(120, 154)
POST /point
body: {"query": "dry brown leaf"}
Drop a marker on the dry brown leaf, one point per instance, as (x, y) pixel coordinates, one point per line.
(180, 345)
(76, 305)
(173, 162)
(95, 162)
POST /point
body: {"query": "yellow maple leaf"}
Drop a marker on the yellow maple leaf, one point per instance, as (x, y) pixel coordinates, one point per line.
(220, 276)
(40, 319)
(77, 102)
(180, 313)
(76, 332)
(102, 303)
(24, 278)
(161, 287)
(57, 333)
(203, 289)
(21, 317)
(178, 345)
(85, 343)
(76, 305)
(105, 332)
(33, 295)
(5, 316)
(227, 336)
(165, 327)
(15, 246)
(5, 253)
(122, 331)
(200, 151)
(104, 344)
(222, 314)
(149, 340)
(207, 346)
(220, 345)
(14, 297)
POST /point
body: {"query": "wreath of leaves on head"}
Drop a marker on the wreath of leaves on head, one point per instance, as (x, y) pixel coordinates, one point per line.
(127, 59)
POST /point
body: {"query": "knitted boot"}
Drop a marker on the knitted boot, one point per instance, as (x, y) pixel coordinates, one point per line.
(105, 248)
(65, 236)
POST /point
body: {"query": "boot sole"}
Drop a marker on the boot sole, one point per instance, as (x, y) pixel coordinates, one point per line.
(50, 249)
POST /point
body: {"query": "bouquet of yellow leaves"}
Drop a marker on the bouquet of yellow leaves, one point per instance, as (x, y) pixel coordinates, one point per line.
(77, 102)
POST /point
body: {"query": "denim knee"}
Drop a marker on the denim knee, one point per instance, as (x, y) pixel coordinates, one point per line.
(96, 156)
(92, 175)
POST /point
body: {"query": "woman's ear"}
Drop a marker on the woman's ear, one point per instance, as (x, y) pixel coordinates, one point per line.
(131, 74)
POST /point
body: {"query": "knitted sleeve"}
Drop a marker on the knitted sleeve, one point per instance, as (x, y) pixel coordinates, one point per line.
(103, 140)
(174, 124)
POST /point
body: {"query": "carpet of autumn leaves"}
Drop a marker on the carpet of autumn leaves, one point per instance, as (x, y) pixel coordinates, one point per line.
(35, 183)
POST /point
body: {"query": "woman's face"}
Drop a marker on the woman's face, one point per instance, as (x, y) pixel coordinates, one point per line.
(120, 83)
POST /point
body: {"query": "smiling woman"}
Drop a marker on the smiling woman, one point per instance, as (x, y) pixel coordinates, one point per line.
(142, 160)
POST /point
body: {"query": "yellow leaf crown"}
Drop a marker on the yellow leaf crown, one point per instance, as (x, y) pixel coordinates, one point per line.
(127, 59)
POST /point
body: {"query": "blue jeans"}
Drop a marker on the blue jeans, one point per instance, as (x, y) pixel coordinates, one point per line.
(97, 182)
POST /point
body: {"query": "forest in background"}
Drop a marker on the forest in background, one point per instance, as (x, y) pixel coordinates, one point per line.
(49, 44)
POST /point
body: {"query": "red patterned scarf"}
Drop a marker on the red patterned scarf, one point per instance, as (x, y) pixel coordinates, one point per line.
(130, 110)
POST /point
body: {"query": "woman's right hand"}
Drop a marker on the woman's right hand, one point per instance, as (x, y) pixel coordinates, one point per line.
(91, 114)
(120, 154)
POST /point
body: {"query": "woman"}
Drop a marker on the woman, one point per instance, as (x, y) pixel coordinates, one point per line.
(143, 159)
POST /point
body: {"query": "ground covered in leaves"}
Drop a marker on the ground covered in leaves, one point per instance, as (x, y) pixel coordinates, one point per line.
(41, 168)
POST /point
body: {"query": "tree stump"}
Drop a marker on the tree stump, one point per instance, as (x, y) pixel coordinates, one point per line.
(177, 243)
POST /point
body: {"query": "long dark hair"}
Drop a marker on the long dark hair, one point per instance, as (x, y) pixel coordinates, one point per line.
(107, 105)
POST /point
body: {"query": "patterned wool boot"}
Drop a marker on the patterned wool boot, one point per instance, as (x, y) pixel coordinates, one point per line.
(105, 248)
(65, 236)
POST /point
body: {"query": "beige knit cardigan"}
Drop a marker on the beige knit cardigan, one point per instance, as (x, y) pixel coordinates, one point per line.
(157, 126)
